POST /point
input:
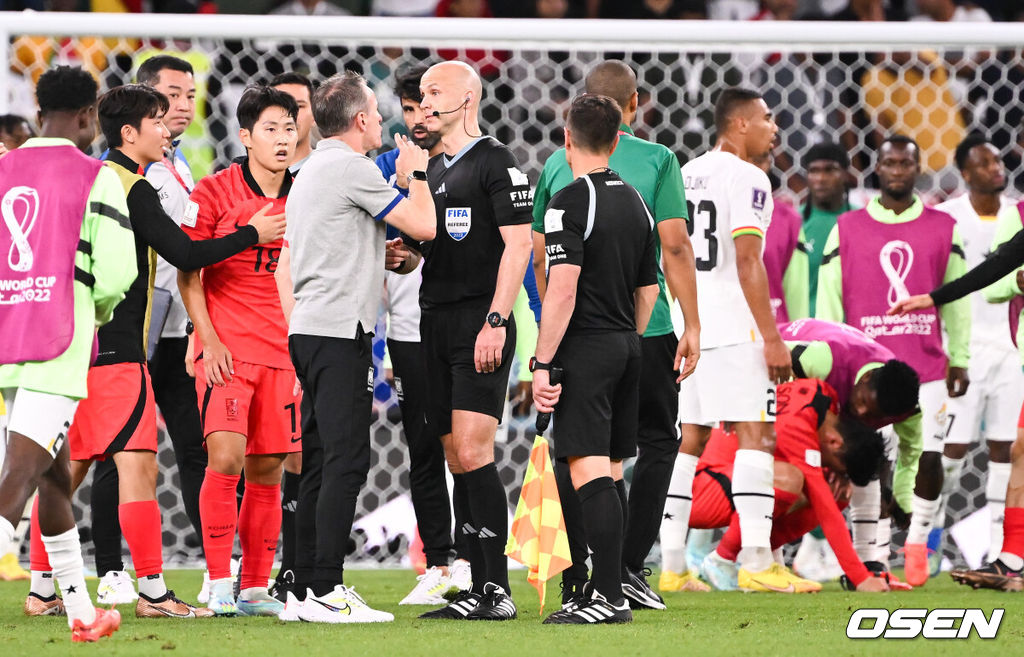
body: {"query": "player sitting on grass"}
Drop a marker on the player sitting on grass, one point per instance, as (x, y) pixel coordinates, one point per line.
(815, 456)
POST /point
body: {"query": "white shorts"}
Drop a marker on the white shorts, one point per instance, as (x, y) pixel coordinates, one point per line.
(730, 384)
(39, 416)
(993, 400)
(934, 401)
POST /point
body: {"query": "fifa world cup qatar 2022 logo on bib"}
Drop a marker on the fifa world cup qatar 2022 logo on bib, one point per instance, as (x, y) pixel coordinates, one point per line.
(896, 258)
(458, 222)
(19, 209)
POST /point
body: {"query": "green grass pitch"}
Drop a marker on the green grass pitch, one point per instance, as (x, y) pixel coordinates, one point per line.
(696, 625)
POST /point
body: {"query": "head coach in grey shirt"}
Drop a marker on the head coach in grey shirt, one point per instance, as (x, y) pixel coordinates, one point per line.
(329, 275)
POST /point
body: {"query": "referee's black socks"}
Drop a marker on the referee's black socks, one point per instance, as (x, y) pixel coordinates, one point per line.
(602, 517)
(465, 533)
(488, 507)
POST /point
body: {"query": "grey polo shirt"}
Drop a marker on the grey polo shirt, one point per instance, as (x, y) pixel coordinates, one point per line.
(336, 235)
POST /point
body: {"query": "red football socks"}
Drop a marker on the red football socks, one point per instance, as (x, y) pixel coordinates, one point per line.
(38, 558)
(140, 525)
(259, 525)
(218, 511)
(1013, 531)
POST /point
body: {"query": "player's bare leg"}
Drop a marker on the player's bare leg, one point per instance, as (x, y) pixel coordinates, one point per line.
(1004, 573)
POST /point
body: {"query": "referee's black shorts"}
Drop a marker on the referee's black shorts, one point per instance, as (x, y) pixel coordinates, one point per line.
(449, 341)
(597, 413)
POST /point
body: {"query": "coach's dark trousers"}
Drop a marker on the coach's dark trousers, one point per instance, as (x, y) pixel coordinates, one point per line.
(337, 378)
(427, 484)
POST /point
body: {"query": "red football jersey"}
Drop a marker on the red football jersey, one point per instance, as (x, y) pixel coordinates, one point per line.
(241, 294)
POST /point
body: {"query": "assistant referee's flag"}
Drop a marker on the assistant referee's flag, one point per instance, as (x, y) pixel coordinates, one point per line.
(538, 539)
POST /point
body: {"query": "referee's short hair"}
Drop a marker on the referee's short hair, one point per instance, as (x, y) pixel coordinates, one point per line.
(593, 121)
(257, 99)
(337, 102)
(65, 89)
(128, 105)
(728, 102)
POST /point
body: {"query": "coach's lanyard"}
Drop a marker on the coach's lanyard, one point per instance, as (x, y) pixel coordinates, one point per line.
(177, 176)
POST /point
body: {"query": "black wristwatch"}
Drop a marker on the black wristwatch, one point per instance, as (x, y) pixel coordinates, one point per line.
(416, 175)
(496, 320)
(190, 328)
(537, 365)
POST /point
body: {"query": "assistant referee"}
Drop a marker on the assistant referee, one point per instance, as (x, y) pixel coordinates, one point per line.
(602, 287)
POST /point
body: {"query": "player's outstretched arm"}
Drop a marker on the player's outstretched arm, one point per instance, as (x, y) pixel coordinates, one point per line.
(216, 357)
(754, 281)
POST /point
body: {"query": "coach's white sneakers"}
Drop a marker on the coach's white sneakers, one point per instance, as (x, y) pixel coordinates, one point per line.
(342, 605)
(430, 589)
(116, 588)
(461, 577)
(291, 609)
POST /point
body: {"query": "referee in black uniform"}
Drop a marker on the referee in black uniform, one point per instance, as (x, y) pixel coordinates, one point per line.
(602, 285)
(472, 272)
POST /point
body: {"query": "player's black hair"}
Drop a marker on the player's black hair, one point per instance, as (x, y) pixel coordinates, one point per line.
(904, 141)
(257, 99)
(832, 152)
(728, 102)
(291, 77)
(407, 82)
(338, 101)
(963, 149)
(862, 453)
(10, 122)
(827, 150)
(65, 89)
(128, 105)
(149, 71)
(896, 386)
(593, 121)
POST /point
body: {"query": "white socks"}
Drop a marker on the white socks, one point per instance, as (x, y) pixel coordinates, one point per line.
(995, 493)
(754, 498)
(42, 583)
(66, 559)
(865, 503)
(952, 469)
(923, 519)
(882, 540)
(676, 519)
(152, 586)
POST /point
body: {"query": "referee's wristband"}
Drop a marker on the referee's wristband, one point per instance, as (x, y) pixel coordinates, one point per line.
(537, 365)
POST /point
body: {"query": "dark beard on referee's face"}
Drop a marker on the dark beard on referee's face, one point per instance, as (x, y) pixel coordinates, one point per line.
(423, 137)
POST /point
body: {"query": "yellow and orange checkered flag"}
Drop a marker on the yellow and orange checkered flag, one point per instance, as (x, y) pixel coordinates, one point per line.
(538, 539)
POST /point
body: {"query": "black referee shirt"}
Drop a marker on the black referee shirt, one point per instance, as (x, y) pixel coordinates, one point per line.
(475, 192)
(601, 224)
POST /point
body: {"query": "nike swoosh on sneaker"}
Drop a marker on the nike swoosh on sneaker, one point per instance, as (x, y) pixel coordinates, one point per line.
(789, 588)
(347, 610)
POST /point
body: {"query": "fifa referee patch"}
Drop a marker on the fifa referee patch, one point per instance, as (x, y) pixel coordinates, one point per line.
(458, 222)
(553, 220)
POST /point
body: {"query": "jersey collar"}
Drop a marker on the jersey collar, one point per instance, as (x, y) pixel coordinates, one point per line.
(120, 159)
(886, 216)
(286, 185)
(465, 149)
(625, 130)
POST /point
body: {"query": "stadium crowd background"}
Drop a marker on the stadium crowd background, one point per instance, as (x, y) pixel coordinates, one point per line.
(849, 96)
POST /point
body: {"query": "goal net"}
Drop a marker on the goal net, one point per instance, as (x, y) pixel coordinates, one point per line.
(848, 83)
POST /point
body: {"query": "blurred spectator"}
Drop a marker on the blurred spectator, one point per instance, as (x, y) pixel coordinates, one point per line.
(309, 8)
(908, 93)
(732, 10)
(551, 8)
(865, 10)
(404, 8)
(950, 11)
(14, 131)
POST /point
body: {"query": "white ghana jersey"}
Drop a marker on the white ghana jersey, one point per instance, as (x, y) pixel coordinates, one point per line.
(726, 197)
(990, 324)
